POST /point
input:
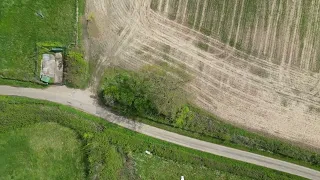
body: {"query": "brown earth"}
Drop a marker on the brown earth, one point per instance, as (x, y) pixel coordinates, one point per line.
(268, 90)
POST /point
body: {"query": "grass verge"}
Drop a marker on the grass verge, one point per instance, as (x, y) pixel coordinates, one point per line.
(153, 167)
(17, 83)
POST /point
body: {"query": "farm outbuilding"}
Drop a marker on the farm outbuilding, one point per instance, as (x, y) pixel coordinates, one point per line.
(52, 68)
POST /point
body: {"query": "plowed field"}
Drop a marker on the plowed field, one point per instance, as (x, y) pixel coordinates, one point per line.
(255, 64)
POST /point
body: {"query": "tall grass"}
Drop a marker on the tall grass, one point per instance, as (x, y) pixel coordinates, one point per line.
(41, 151)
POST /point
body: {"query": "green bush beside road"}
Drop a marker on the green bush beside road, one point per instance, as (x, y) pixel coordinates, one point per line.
(151, 92)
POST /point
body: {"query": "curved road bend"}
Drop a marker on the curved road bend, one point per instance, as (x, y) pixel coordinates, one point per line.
(82, 100)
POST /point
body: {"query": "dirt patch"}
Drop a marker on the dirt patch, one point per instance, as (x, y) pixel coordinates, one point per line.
(92, 28)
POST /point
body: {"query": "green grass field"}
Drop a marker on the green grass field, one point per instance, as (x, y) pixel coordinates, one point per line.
(48, 131)
(21, 29)
(154, 167)
(41, 151)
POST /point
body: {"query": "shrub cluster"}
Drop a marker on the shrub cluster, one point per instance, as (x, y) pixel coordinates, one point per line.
(150, 92)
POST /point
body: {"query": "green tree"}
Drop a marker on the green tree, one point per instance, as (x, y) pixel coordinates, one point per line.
(166, 90)
(149, 92)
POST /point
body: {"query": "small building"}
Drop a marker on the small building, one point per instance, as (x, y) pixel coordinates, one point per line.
(52, 68)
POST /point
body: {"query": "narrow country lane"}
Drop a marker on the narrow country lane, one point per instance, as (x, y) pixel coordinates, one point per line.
(83, 100)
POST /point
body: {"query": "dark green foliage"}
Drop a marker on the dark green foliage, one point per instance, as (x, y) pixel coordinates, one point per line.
(76, 70)
(183, 116)
(165, 91)
(126, 91)
(150, 92)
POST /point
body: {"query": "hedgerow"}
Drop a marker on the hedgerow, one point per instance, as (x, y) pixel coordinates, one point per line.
(151, 92)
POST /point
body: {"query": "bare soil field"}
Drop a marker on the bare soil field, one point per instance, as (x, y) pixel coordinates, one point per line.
(254, 64)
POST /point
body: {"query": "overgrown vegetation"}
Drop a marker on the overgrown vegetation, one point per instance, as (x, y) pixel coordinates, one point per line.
(109, 149)
(150, 92)
(137, 93)
(153, 167)
(41, 151)
(23, 24)
(100, 158)
(76, 70)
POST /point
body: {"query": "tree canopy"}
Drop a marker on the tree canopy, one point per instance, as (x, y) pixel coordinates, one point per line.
(151, 91)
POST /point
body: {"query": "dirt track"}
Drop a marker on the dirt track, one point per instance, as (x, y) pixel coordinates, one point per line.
(251, 91)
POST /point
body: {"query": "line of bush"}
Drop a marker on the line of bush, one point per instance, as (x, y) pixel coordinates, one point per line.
(103, 142)
(125, 90)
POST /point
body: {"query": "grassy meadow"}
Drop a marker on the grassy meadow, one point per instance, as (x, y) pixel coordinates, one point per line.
(41, 151)
(21, 27)
(154, 167)
(99, 149)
